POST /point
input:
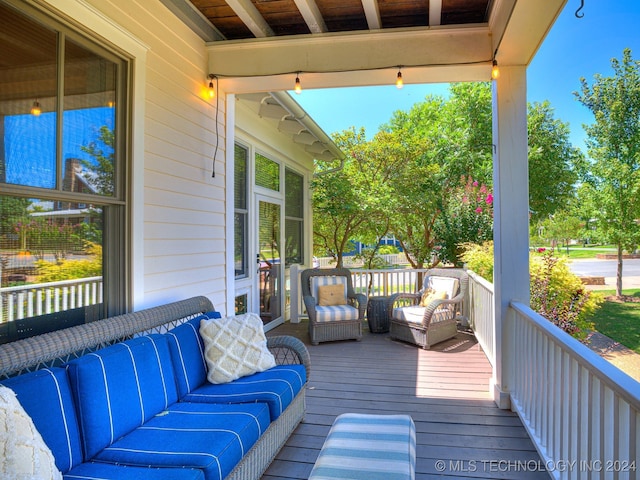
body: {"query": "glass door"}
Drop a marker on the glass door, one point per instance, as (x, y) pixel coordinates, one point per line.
(270, 263)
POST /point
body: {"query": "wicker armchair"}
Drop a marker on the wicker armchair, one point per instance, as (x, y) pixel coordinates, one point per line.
(426, 325)
(332, 322)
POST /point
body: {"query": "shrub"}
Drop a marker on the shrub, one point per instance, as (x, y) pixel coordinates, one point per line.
(72, 269)
(556, 293)
(479, 258)
(466, 216)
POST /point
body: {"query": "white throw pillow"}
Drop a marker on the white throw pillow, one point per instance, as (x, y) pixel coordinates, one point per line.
(235, 347)
(23, 453)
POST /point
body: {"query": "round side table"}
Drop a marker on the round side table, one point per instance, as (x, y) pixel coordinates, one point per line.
(377, 314)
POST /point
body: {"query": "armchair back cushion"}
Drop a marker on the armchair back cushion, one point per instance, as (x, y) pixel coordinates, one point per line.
(442, 284)
(321, 281)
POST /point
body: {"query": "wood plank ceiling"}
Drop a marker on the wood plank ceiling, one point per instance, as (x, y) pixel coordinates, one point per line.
(245, 19)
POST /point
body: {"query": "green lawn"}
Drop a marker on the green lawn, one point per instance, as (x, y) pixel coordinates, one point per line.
(620, 321)
(576, 251)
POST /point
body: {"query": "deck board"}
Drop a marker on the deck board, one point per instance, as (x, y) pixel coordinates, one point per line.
(445, 390)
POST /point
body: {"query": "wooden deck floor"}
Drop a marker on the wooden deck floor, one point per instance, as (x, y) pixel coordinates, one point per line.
(460, 431)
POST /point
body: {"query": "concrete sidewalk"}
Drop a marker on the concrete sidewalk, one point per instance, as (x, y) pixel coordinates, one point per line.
(622, 357)
(617, 354)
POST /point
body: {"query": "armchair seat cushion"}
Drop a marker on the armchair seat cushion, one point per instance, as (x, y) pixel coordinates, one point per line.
(336, 313)
(415, 314)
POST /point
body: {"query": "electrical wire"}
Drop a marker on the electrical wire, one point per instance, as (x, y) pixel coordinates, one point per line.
(215, 151)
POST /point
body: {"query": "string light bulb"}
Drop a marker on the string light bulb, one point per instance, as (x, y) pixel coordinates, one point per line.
(495, 71)
(36, 110)
(212, 90)
(298, 87)
(399, 81)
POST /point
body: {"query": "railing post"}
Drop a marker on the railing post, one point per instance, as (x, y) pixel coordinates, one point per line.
(294, 278)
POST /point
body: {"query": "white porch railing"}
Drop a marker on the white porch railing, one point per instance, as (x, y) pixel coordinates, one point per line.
(480, 311)
(370, 282)
(576, 406)
(39, 299)
(582, 413)
(351, 261)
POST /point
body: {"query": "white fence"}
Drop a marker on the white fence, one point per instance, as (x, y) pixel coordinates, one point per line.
(582, 413)
(480, 310)
(351, 261)
(576, 406)
(39, 299)
(381, 282)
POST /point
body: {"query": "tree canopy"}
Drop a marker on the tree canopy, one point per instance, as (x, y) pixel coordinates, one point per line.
(613, 143)
(406, 180)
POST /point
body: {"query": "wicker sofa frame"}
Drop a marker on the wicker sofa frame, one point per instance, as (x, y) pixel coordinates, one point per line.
(428, 332)
(335, 330)
(58, 347)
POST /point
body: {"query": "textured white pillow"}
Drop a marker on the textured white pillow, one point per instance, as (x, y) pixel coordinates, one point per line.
(235, 347)
(23, 453)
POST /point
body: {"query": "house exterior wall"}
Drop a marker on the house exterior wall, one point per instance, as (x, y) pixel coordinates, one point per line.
(177, 208)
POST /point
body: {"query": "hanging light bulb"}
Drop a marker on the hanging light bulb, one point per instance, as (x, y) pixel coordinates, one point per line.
(212, 90)
(495, 71)
(36, 109)
(399, 81)
(298, 87)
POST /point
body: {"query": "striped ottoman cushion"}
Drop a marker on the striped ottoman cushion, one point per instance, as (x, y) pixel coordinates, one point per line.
(371, 447)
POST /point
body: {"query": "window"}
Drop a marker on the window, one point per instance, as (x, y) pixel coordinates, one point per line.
(294, 223)
(241, 156)
(267, 173)
(63, 256)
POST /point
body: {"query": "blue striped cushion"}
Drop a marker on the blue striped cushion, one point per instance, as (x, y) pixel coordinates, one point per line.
(187, 354)
(336, 313)
(121, 387)
(277, 387)
(210, 437)
(321, 281)
(368, 447)
(108, 471)
(46, 397)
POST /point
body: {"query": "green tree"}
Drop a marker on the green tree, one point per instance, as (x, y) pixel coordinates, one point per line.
(613, 142)
(561, 227)
(347, 201)
(554, 164)
(102, 166)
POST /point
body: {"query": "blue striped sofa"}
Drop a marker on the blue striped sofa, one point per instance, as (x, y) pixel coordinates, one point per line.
(142, 408)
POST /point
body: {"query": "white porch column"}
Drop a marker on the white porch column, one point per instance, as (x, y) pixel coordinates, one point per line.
(511, 215)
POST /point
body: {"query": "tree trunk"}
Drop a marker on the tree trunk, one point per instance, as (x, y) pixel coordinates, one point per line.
(619, 273)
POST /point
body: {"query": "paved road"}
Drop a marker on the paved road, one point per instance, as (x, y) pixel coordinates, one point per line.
(605, 268)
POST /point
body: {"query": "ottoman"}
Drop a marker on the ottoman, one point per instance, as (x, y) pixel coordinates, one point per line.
(368, 447)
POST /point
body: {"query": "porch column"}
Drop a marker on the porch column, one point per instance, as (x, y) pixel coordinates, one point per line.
(511, 216)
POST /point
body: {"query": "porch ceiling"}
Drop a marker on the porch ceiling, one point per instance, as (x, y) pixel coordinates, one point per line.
(262, 44)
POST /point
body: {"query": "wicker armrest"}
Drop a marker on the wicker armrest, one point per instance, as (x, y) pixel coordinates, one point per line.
(289, 350)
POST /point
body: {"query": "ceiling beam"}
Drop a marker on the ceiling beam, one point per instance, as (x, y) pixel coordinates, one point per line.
(194, 19)
(351, 52)
(372, 12)
(251, 17)
(311, 14)
(435, 12)
(520, 27)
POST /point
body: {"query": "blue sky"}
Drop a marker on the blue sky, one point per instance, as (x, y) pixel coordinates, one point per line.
(574, 48)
